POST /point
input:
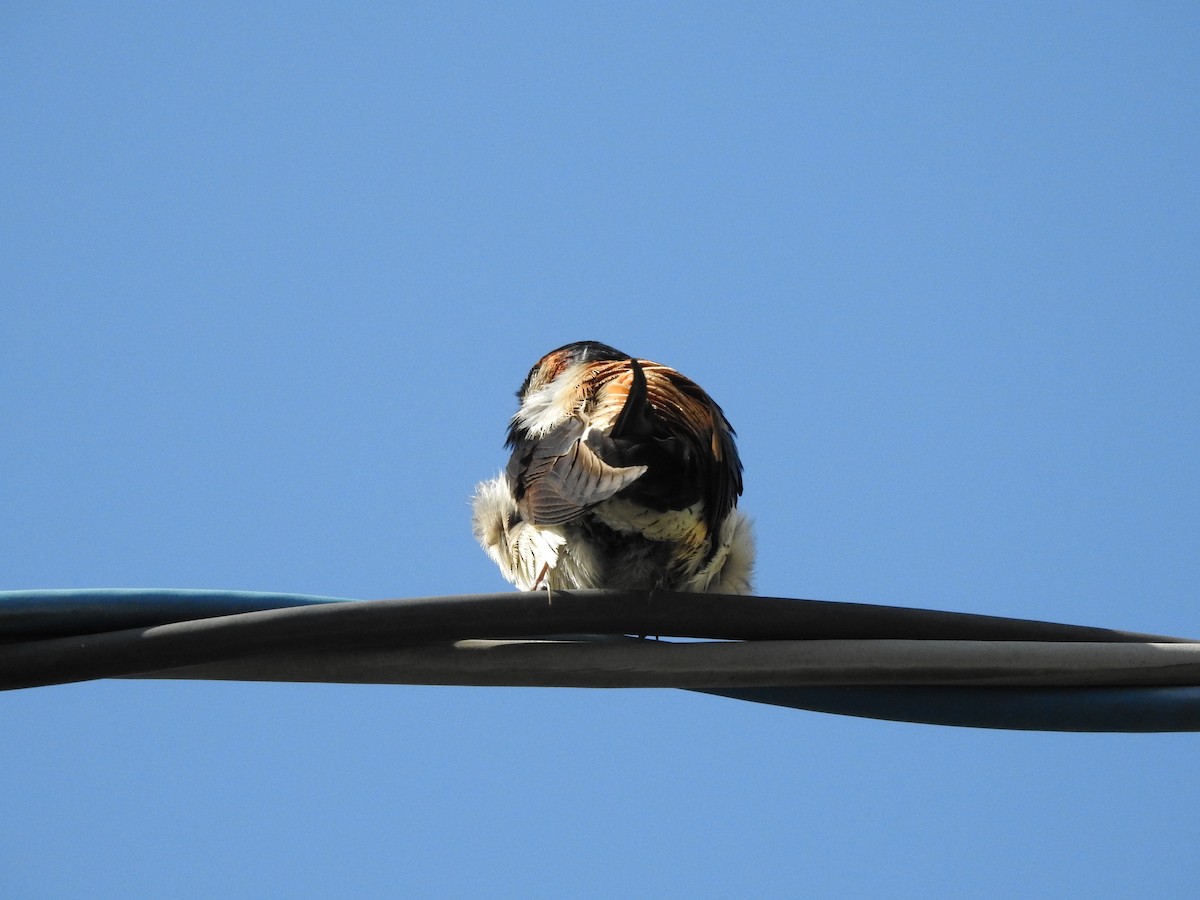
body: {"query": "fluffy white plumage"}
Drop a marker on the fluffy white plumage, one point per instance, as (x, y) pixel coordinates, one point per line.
(524, 551)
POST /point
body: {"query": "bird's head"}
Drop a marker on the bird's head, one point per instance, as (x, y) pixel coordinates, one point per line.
(556, 362)
(551, 389)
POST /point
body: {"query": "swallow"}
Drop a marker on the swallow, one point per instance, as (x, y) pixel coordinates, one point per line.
(623, 474)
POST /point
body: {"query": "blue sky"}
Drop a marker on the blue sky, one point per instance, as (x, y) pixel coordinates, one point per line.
(273, 271)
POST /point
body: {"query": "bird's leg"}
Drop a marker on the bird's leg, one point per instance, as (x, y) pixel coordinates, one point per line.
(650, 601)
(537, 582)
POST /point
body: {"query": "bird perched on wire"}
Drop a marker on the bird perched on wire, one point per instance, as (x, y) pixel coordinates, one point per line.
(624, 475)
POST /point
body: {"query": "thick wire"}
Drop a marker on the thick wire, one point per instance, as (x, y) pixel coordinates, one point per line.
(58, 637)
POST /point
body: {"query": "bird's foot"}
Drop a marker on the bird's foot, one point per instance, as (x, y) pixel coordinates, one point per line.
(538, 582)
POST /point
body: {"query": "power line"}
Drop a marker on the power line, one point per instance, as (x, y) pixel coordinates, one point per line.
(856, 659)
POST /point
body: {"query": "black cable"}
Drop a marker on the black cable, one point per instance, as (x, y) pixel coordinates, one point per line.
(390, 623)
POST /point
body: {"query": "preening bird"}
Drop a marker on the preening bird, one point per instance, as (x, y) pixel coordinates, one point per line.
(624, 474)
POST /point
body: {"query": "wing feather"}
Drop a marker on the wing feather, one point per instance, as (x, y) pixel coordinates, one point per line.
(560, 476)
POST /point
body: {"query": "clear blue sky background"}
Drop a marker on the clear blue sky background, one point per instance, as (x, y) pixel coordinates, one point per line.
(271, 273)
